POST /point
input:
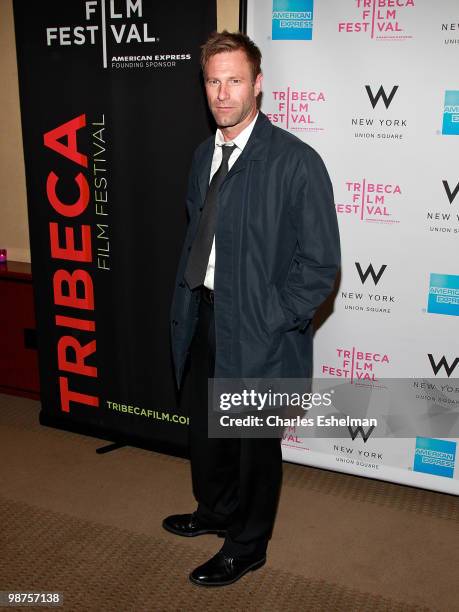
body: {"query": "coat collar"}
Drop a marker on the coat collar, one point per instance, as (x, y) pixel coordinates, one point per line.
(256, 149)
(257, 146)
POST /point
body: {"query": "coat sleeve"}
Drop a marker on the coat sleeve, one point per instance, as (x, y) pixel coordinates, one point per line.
(317, 254)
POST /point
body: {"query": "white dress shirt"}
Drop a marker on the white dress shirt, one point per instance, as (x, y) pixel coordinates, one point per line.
(240, 141)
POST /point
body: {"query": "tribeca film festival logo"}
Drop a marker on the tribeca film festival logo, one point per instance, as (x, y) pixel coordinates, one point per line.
(295, 110)
(372, 301)
(446, 221)
(114, 22)
(291, 439)
(390, 128)
(443, 294)
(450, 125)
(356, 365)
(370, 202)
(433, 456)
(379, 19)
(292, 19)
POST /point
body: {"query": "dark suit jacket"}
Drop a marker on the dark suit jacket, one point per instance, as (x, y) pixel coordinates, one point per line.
(277, 255)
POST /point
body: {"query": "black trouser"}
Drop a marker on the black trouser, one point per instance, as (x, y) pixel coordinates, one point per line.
(236, 482)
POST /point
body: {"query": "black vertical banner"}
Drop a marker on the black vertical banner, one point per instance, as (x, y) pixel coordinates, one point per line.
(112, 108)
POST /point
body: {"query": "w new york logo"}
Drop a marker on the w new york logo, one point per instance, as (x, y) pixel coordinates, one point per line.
(451, 192)
(442, 363)
(370, 271)
(381, 94)
(355, 431)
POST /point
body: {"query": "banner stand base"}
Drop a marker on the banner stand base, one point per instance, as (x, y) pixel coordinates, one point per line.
(113, 437)
(109, 448)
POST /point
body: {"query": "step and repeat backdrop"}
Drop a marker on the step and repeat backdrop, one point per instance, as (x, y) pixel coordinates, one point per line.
(112, 110)
(373, 86)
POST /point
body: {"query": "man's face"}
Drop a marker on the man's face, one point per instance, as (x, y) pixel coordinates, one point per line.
(231, 91)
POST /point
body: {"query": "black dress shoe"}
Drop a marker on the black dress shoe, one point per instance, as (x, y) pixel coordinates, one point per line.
(188, 525)
(223, 569)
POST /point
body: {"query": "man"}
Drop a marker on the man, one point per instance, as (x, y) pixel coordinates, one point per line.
(260, 255)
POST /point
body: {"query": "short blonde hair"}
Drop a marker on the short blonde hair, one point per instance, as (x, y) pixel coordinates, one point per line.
(224, 42)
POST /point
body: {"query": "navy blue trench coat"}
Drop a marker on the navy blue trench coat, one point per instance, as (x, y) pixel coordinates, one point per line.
(277, 255)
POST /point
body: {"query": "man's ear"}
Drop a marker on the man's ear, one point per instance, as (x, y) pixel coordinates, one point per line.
(258, 84)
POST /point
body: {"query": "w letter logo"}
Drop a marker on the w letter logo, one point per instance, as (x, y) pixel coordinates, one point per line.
(381, 94)
(370, 270)
(451, 194)
(436, 367)
(354, 432)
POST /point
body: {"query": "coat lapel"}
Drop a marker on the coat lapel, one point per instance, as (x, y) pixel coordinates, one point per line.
(256, 147)
(204, 172)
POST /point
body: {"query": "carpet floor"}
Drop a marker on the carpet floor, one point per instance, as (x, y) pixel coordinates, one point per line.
(89, 526)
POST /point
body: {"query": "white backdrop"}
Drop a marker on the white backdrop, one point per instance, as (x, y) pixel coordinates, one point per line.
(394, 165)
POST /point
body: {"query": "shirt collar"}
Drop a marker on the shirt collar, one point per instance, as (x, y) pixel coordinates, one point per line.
(241, 139)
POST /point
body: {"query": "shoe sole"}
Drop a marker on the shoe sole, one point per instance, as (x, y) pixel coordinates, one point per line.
(219, 532)
(251, 568)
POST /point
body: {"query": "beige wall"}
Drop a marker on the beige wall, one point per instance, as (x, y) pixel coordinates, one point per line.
(228, 15)
(14, 230)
